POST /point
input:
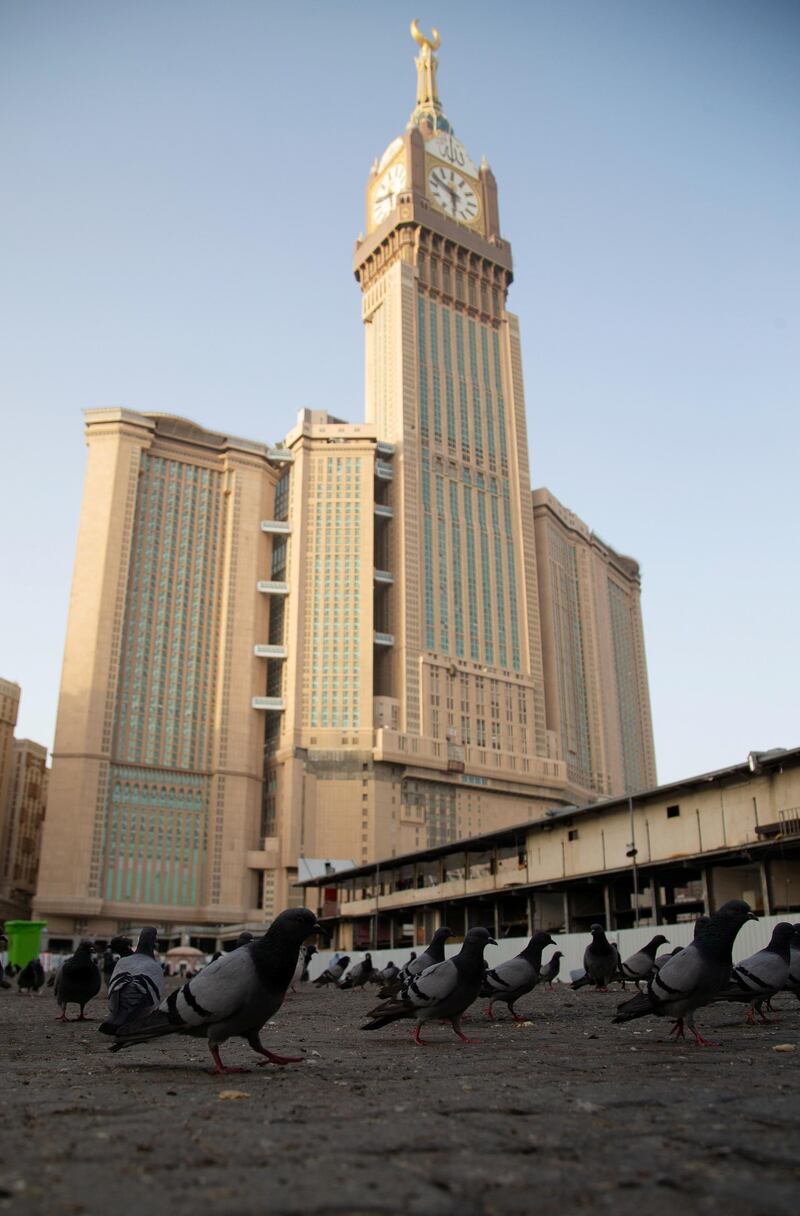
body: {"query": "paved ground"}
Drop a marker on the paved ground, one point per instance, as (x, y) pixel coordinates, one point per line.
(568, 1112)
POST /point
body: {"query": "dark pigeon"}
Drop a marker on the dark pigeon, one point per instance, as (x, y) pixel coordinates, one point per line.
(443, 991)
(333, 973)
(762, 975)
(516, 978)
(77, 981)
(31, 977)
(416, 965)
(119, 947)
(793, 982)
(694, 977)
(359, 975)
(549, 970)
(236, 995)
(600, 961)
(638, 966)
(136, 987)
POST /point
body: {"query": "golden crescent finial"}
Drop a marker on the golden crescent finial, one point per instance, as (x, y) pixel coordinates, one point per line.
(432, 43)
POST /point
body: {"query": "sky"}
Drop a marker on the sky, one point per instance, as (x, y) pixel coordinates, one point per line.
(181, 186)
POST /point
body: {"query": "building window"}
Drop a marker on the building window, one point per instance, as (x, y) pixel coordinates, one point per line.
(572, 834)
(673, 812)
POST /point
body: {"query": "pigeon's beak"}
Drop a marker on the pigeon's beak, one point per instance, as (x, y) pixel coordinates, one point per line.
(752, 916)
(492, 942)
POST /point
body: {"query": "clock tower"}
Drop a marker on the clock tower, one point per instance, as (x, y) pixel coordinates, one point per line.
(444, 387)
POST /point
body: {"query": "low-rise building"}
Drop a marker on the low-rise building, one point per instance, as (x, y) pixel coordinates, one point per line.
(662, 856)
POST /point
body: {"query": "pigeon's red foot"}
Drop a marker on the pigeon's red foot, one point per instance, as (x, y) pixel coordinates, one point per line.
(83, 1018)
(221, 1069)
(677, 1029)
(271, 1058)
(701, 1042)
(62, 1017)
(518, 1017)
(489, 1013)
(419, 1042)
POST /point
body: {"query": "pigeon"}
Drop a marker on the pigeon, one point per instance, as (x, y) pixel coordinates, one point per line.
(77, 981)
(241, 940)
(119, 947)
(600, 961)
(513, 979)
(136, 987)
(442, 991)
(638, 966)
(334, 972)
(434, 953)
(388, 975)
(31, 977)
(359, 975)
(3, 981)
(301, 970)
(692, 978)
(549, 970)
(760, 976)
(793, 982)
(236, 995)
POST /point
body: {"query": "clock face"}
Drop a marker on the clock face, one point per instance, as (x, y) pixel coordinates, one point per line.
(387, 190)
(453, 194)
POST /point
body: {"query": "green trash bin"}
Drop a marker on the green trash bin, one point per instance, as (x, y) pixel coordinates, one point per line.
(24, 937)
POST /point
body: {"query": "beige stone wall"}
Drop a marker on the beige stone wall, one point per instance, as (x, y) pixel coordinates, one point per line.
(25, 810)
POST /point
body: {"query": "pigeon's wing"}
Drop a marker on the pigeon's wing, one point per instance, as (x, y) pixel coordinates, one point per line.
(217, 993)
(434, 985)
(679, 978)
(509, 976)
(761, 973)
(636, 965)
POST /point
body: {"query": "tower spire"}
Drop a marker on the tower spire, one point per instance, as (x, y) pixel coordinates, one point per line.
(428, 110)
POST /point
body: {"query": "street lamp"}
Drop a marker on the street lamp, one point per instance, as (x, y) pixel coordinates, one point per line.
(632, 852)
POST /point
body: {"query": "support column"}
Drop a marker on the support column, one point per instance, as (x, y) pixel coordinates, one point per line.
(531, 915)
(607, 907)
(497, 919)
(567, 917)
(765, 897)
(708, 893)
(655, 901)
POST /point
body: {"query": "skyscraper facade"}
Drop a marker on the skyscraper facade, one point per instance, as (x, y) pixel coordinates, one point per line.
(331, 648)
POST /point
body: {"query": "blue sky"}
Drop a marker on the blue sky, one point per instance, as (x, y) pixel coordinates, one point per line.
(182, 185)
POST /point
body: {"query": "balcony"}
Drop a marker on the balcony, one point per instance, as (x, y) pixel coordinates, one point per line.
(383, 639)
(383, 470)
(276, 703)
(268, 588)
(381, 510)
(276, 527)
(269, 652)
(280, 456)
(385, 577)
(384, 449)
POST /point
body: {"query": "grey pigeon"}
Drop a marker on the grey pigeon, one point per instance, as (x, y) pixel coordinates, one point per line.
(136, 987)
(77, 981)
(388, 975)
(3, 981)
(549, 970)
(235, 995)
(760, 976)
(333, 972)
(692, 978)
(31, 977)
(514, 979)
(359, 975)
(434, 953)
(600, 961)
(443, 991)
(638, 966)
